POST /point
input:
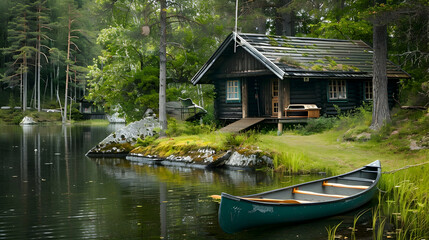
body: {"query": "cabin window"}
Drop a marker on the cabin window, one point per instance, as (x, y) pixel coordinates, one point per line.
(233, 91)
(368, 90)
(337, 90)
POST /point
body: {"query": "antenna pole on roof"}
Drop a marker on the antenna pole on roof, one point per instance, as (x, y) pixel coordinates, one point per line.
(236, 17)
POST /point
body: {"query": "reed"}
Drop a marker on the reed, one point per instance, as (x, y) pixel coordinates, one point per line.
(332, 231)
(291, 162)
(355, 219)
(378, 223)
(405, 202)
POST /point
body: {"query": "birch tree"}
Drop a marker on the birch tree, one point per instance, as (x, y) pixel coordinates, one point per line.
(163, 67)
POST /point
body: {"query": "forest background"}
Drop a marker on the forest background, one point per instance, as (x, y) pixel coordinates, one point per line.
(56, 52)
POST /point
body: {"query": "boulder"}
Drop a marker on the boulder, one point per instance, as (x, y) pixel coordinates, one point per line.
(27, 121)
(120, 142)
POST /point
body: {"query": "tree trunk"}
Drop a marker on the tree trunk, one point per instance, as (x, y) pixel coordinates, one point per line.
(163, 69)
(39, 30)
(67, 68)
(284, 22)
(380, 111)
(24, 83)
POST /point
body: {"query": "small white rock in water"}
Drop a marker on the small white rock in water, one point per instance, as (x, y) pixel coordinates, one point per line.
(115, 118)
(27, 121)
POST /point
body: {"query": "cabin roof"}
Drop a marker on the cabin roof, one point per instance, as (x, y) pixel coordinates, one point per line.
(297, 57)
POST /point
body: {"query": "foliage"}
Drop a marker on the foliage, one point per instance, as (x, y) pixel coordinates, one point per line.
(186, 128)
(317, 125)
(33, 28)
(76, 115)
(407, 126)
(132, 56)
(360, 116)
(15, 116)
(145, 141)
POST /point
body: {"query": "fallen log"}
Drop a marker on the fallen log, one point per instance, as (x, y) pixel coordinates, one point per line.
(414, 107)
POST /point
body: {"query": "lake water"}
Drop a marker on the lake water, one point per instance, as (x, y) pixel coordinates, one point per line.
(49, 189)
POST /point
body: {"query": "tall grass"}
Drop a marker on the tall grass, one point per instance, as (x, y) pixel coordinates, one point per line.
(289, 162)
(378, 223)
(406, 202)
(355, 220)
(317, 125)
(332, 231)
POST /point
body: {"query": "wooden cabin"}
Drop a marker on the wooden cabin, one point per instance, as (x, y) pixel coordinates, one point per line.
(277, 77)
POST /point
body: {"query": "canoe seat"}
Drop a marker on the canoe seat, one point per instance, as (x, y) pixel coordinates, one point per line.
(271, 200)
(357, 179)
(326, 184)
(295, 190)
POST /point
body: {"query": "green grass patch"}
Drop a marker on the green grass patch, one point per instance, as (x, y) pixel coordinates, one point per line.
(92, 122)
(406, 200)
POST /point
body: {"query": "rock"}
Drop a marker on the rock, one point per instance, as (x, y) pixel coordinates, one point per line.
(115, 118)
(423, 143)
(248, 161)
(363, 137)
(414, 146)
(209, 159)
(351, 135)
(27, 121)
(121, 141)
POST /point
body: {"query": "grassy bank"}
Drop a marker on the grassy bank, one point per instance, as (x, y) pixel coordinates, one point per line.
(15, 116)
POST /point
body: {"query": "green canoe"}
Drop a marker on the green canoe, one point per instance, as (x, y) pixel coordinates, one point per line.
(302, 202)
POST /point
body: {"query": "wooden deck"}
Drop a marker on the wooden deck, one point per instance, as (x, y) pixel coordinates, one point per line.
(241, 125)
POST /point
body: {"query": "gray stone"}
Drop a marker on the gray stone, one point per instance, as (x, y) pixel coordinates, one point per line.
(128, 134)
(114, 118)
(27, 121)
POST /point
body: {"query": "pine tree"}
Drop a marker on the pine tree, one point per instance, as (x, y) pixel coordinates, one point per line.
(21, 49)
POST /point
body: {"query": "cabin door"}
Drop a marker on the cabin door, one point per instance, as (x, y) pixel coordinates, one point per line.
(275, 97)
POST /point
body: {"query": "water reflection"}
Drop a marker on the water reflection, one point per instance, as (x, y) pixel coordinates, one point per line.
(49, 189)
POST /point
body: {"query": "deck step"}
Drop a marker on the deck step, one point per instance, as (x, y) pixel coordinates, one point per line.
(295, 190)
(241, 125)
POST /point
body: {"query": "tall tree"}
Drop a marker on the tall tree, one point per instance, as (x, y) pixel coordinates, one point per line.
(20, 39)
(380, 112)
(41, 21)
(71, 19)
(131, 52)
(381, 15)
(163, 67)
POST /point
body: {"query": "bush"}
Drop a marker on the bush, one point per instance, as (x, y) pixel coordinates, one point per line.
(317, 125)
(176, 128)
(236, 140)
(145, 141)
